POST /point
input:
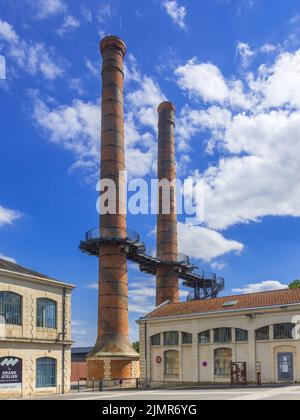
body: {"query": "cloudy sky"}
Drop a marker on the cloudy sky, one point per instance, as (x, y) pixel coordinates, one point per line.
(232, 67)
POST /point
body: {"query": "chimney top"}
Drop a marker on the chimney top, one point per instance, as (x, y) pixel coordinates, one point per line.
(166, 105)
(113, 41)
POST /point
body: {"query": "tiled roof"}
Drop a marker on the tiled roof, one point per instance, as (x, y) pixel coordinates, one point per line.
(253, 300)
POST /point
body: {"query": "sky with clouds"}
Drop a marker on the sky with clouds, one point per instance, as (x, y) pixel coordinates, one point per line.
(232, 67)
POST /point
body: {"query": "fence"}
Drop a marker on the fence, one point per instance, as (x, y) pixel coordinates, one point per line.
(84, 385)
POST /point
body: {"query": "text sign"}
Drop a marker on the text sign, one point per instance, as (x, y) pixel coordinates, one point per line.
(10, 373)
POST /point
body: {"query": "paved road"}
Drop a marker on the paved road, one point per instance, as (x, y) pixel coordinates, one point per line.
(234, 394)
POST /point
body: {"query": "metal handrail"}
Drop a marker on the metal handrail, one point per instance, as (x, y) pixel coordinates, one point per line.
(111, 233)
(176, 258)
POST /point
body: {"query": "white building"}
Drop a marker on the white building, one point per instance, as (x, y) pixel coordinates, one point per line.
(35, 332)
(197, 341)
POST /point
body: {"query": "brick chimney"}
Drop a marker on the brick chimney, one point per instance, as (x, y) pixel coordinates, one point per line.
(167, 285)
(113, 356)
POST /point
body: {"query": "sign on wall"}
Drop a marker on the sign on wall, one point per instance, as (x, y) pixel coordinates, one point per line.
(10, 373)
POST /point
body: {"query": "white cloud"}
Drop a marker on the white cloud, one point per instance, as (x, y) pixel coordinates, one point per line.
(8, 216)
(205, 244)
(76, 126)
(34, 58)
(93, 286)
(10, 259)
(47, 8)
(7, 32)
(70, 23)
(264, 286)
(205, 81)
(176, 12)
(104, 13)
(245, 53)
(259, 174)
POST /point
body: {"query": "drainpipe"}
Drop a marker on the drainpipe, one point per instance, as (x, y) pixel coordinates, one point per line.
(63, 338)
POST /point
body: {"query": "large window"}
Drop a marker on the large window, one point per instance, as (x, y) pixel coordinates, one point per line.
(171, 338)
(223, 359)
(263, 334)
(283, 331)
(187, 338)
(222, 335)
(204, 337)
(155, 340)
(10, 308)
(241, 335)
(171, 363)
(46, 313)
(45, 373)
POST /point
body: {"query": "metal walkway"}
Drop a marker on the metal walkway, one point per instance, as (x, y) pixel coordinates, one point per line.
(204, 285)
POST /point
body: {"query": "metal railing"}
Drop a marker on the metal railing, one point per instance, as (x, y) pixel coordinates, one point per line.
(177, 258)
(83, 385)
(111, 233)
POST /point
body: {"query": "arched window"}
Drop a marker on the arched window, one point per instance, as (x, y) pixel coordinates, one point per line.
(171, 362)
(46, 313)
(10, 308)
(155, 340)
(45, 373)
(263, 334)
(283, 331)
(223, 359)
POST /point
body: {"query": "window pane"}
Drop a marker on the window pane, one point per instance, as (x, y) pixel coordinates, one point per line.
(45, 373)
(171, 338)
(263, 334)
(283, 331)
(223, 359)
(204, 337)
(187, 338)
(171, 363)
(241, 335)
(222, 335)
(10, 308)
(46, 313)
(155, 340)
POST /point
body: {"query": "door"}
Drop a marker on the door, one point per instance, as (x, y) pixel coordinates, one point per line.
(285, 367)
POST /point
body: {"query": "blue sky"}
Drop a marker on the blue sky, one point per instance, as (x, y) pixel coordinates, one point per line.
(232, 67)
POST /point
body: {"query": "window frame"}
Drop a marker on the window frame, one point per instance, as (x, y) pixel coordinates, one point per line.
(43, 319)
(265, 333)
(284, 334)
(189, 342)
(41, 382)
(153, 337)
(19, 322)
(241, 331)
(220, 340)
(224, 368)
(206, 334)
(171, 372)
(175, 342)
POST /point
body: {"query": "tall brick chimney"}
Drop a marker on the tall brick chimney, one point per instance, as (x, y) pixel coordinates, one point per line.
(167, 285)
(113, 357)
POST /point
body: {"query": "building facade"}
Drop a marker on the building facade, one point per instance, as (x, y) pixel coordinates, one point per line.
(79, 363)
(199, 342)
(35, 333)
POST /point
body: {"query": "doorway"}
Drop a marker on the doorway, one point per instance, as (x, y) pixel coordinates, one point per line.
(285, 363)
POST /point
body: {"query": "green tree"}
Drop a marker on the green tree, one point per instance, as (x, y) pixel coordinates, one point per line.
(295, 284)
(136, 346)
